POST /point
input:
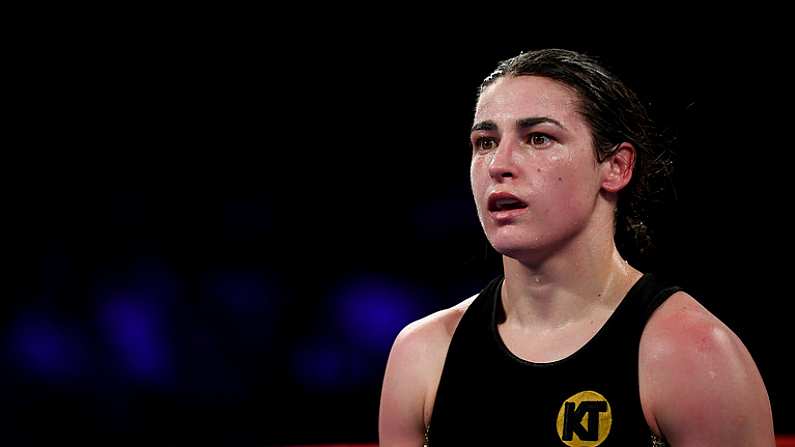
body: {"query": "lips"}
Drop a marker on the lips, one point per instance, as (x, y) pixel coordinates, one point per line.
(504, 201)
(504, 206)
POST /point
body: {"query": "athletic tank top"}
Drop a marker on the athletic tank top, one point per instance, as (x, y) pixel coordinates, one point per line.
(488, 396)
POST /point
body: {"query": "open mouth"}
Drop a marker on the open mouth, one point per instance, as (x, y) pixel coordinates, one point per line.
(506, 204)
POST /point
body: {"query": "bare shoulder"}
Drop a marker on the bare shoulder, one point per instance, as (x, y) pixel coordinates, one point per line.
(696, 376)
(436, 327)
(412, 375)
(424, 341)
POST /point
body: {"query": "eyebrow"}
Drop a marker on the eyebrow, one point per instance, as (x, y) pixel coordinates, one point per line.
(523, 123)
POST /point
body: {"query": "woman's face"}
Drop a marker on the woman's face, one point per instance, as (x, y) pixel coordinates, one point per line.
(529, 140)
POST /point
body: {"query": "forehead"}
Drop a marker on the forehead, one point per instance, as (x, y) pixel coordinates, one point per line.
(511, 98)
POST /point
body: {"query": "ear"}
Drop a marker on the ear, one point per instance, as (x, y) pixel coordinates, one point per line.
(617, 168)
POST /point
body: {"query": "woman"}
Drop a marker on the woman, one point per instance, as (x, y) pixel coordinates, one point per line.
(572, 345)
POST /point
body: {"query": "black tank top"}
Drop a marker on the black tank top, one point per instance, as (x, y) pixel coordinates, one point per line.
(488, 396)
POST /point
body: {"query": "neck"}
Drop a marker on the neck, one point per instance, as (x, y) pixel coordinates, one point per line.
(586, 276)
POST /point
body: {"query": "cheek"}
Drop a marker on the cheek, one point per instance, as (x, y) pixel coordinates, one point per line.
(571, 192)
(553, 180)
(479, 181)
(476, 168)
(560, 186)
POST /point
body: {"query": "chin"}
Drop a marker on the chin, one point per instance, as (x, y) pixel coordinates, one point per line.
(521, 247)
(514, 247)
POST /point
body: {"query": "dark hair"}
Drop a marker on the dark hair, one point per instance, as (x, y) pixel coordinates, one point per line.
(615, 115)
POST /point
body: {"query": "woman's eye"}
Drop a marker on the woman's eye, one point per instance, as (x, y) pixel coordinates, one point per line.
(539, 139)
(485, 143)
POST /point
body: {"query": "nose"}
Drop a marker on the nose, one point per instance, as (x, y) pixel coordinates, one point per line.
(502, 164)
